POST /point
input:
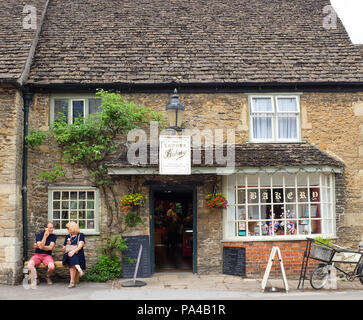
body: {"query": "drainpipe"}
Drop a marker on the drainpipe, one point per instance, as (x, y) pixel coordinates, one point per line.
(28, 97)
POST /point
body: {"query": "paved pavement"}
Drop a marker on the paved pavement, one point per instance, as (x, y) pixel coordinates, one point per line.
(181, 286)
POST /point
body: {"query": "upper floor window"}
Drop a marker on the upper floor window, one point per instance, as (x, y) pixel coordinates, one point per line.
(73, 107)
(275, 119)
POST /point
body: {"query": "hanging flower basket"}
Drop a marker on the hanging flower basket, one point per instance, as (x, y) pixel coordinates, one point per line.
(216, 200)
(130, 201)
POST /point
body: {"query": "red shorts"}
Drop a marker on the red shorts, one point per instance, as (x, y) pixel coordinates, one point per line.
(41, 258)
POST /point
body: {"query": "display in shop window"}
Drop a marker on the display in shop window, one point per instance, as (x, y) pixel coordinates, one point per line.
(241, 228)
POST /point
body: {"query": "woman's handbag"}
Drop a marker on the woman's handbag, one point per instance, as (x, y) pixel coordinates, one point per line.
(70, 247)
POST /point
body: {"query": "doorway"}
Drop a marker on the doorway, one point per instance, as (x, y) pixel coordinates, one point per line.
(173, 230)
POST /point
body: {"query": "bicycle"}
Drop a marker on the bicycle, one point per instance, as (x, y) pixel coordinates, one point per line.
(330, 255)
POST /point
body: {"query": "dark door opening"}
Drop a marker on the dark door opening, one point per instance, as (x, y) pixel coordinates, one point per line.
(173, 231)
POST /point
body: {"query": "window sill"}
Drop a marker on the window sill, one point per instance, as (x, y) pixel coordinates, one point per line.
(278, 238)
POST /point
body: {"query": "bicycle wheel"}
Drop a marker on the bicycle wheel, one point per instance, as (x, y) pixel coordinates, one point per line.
(360, 272)
(320, 276)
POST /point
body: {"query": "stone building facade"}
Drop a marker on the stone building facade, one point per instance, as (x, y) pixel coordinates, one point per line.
(337, 136)
(219, 58)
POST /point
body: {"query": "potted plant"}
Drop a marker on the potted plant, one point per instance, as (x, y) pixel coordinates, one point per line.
(130, 205)
(216, 200)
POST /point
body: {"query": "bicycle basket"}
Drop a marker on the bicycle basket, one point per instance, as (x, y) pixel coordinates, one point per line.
(321, 253)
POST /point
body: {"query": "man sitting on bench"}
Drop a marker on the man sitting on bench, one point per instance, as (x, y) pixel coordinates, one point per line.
(45, 242)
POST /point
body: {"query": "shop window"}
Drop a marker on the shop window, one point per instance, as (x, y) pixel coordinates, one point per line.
(73, 107)
(274, 119)
(73, 204)
(280, 204)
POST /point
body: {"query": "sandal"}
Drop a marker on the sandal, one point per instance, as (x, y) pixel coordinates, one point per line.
(49, 281)
(71, 285)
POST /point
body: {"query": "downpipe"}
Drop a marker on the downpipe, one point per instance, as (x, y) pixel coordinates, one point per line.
(27, 97)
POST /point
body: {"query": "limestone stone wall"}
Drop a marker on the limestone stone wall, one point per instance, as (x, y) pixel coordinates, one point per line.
(331, 121)
(11, 144)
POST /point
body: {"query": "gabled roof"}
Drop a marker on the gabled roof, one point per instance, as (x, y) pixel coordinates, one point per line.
(15, 41)
(192, 41)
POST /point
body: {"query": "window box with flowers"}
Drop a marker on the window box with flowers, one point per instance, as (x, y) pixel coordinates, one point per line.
(130, 208)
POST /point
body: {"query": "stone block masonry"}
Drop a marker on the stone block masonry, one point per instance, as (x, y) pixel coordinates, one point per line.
(330, 121)
(11, 144)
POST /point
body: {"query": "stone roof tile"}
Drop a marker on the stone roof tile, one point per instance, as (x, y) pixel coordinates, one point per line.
(191, 41)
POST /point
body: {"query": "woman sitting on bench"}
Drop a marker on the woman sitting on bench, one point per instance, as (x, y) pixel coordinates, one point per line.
(73, 252)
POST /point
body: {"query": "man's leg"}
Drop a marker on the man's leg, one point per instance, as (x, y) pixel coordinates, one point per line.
(49, 262)
(33, 262)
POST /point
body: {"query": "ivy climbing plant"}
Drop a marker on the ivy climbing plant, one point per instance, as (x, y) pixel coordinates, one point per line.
(90, 141)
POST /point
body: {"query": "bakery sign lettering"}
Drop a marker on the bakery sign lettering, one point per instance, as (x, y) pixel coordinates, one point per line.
(302, 195)
(175, 155)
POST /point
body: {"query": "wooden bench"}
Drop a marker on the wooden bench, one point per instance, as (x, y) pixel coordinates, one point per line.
(58, 265)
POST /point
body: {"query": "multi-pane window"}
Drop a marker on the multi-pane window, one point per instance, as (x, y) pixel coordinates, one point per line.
(280, 204)
(79, 205)
(73, 108)
(274, 118)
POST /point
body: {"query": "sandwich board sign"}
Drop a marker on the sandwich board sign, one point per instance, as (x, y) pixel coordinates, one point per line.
(175, 155)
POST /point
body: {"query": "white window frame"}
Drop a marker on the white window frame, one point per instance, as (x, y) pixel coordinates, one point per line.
(323, 206)
(274, 98)
(70, 98)
(96, 230)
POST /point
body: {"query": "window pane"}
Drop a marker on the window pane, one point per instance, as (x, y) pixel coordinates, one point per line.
(74, 215)
(315, 226)
(287, 128)
(252, 181)
(291, 228)
(90, 225)
(290, 180)
(56, 205)
(253, 212)
(241, 228)
(265, 196)
(302, 195)
(262, 128)
(290, 195)
(261, 104)
(291, 211)
(60, 109)
(77, 109)
(252, 196)
(241, 195)
(90, 195)
(254, 229)
(265, 212)
(241, 213)
(286, 105)
(94, 105)
(90, 215)
(314, 194)
(73, 195)
(65, 195)
(304, 227)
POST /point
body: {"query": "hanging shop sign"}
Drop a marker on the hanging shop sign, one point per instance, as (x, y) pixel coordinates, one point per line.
(175, 155)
